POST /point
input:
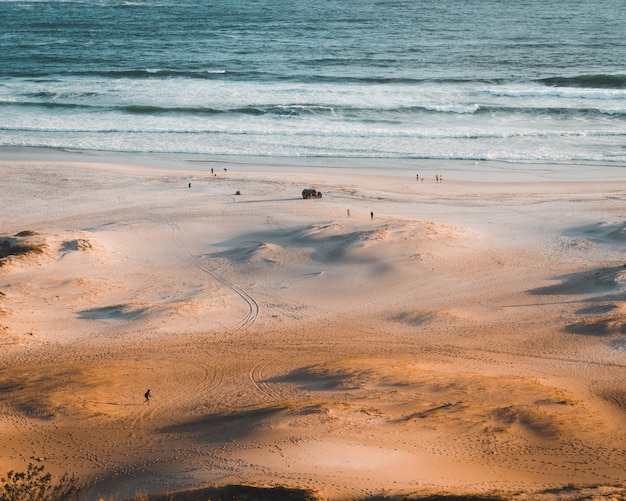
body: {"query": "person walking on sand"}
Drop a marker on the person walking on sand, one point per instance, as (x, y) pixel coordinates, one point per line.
(372, 215)
(348, 210)
(147, 395)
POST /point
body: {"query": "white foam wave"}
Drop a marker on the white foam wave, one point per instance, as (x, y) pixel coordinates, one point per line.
(558, 92)
(311, 119)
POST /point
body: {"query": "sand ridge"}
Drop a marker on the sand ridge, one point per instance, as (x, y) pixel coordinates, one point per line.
(466, 338)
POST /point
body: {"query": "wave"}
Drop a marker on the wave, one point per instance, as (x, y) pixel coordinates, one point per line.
(558, 92)
(43, 104)
(601, 81)
(252, 75)
(369, 114)
(381, 134)
(142, 109)
(556, 111)
(516, 158)
(138, 73)
(585, 81)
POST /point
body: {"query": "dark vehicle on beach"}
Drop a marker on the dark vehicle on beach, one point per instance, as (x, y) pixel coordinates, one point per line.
(311, 193)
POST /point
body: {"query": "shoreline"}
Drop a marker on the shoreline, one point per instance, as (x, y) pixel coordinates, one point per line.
(463, 337)
(460, 170)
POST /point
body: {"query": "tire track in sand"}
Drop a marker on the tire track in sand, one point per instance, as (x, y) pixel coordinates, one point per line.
(148, 416)
(211, 377)
(252, 311)
(256, 374)
(258, 380)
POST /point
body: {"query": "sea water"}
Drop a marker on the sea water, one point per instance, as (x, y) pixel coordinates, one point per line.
(506, 80)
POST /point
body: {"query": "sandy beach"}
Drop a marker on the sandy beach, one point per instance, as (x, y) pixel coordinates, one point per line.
(395, 337)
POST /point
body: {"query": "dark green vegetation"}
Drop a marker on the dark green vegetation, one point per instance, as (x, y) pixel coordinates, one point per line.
(35, 485)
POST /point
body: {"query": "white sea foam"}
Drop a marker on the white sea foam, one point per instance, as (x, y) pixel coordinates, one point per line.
(258, 81)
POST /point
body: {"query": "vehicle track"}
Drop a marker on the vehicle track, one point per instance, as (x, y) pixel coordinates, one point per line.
(257, 378)
(211, 377)
(252, 306)
(252, 311)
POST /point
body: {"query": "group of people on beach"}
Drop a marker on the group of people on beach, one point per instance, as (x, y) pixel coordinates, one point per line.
(438, 178)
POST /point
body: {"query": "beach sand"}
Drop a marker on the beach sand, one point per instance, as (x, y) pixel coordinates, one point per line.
(467, 338)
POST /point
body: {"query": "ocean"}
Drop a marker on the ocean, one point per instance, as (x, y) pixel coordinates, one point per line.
(477, 80)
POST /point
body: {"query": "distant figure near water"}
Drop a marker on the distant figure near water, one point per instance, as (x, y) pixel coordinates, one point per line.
(348, 210)
(372, 215)
(147, 395)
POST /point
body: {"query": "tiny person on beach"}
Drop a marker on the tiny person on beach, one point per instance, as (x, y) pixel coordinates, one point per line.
(147, 395)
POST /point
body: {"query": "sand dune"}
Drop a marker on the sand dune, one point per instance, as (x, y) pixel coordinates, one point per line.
(468, 338)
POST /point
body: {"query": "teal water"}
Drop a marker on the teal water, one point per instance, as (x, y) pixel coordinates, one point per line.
(474, 80)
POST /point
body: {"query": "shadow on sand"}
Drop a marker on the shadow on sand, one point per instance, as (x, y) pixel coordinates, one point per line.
(247, 493)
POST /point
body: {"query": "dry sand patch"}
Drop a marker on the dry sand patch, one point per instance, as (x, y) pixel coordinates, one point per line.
(454, 342)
